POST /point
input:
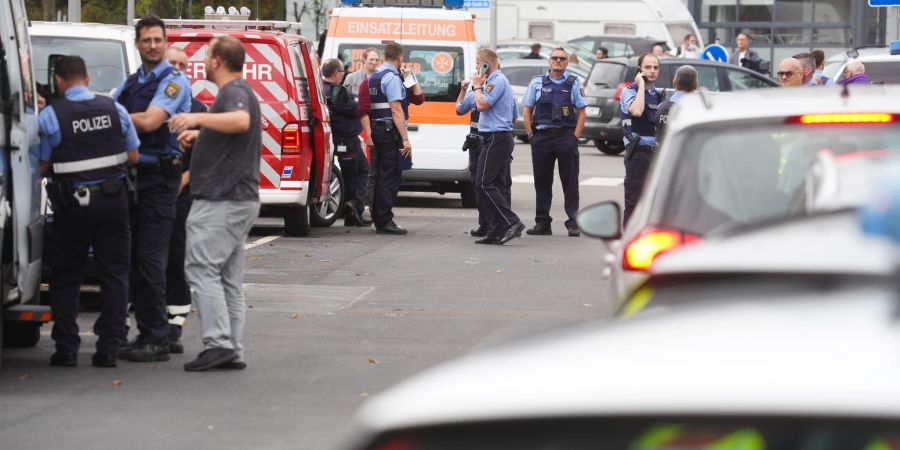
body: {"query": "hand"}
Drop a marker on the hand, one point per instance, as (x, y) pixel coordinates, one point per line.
(187, 138)
(407, 149)
(185, 180)
(639, 79)
(369, 141)
(464, 85)
(477, 79)
(184, 121)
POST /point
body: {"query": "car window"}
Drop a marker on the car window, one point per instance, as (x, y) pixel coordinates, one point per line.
(522, 75)
(512, 54)
(742, 80)
(607, 75)
(745, 175)
(437, 67)
(883, 72)
(104, 59)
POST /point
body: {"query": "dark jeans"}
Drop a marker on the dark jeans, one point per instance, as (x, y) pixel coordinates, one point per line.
(102, 225)
(388, 175)
(373, 175)
(635, 174)
(548, 147)
(506, 179)
(490, 185)
(152, 220)
(178, 294)
(355, 170)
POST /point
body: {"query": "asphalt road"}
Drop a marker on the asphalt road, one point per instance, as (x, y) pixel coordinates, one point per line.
(333, 318)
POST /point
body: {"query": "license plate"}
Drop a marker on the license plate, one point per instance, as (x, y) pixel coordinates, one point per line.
(592, 111)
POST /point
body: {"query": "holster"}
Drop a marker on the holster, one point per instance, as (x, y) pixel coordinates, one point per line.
(61, 195)
(631, 148)
(171, 166)
(473, 142)
(131, 175)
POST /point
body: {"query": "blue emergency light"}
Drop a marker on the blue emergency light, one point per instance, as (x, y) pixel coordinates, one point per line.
(895, 47)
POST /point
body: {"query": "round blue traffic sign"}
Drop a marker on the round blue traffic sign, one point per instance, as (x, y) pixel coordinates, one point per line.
(715, 52)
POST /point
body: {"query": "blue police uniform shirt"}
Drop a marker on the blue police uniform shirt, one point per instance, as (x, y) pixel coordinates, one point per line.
(180, 103)
(467, 104)
(533, 94)
(51, 136)
(628, 97)
(497, 92)
(820, 74)
(392, 86)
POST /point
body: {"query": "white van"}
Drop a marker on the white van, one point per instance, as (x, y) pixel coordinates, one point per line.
(664, 20)
(439, 45)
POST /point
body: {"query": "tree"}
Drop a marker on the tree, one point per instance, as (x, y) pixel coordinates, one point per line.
(315, 10)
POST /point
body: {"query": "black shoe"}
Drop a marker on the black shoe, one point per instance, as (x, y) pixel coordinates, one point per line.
(103, 360)
(391, 228)
(574, 232)
(128, 346)
(176, 347)
(513, 231)
(212, 358)
(148, 353)
(365, 222)
(351, 215)
(540, 230)
(234, 365)
(478, 232)
(490, 240)
(61, 359)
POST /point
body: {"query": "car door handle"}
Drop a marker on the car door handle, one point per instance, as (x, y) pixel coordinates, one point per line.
(412, 128)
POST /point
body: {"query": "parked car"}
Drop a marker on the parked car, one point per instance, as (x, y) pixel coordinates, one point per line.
(744, 158)
(882, 69)
(793, 371)
(520, 72)
(518, 49)
(619, 46)
(835, 63)
(610, 76)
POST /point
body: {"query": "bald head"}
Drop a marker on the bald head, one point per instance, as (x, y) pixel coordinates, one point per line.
(854, 67)
(790, 73)
(177, 58)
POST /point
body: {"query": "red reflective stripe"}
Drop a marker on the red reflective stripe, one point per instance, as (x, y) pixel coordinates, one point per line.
(46, 317)
(26, 316)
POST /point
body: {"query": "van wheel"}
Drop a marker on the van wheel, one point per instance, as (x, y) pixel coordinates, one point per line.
(21, 334)
(608, 149)
(296, 220)
(325, 213)
(467, 191)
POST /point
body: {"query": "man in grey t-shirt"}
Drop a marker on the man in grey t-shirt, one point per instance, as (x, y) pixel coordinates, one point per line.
(225, 187)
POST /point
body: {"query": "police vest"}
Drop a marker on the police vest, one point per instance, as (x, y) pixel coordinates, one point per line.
(555, 106)
(136, 98)
(646, 124)
(92, 145)
(381, 107)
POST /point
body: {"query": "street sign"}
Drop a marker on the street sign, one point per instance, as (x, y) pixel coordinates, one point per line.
(476, 3)
(715, 52)
(884, 2)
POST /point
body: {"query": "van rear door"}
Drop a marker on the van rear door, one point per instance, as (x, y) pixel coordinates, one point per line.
(320, 122)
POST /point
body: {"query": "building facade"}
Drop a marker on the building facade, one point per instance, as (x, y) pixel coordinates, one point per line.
(781, 28)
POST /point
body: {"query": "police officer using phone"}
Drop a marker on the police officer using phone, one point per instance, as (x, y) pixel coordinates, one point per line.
(389, 113)
(156, 92)
(86, 141)
(638, 108)
(554, 119)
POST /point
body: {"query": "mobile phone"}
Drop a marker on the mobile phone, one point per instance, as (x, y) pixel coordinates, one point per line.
(484, 68)
(644, 77)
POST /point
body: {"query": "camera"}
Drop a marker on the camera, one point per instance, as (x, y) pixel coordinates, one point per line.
(757, 65)
(473, 141)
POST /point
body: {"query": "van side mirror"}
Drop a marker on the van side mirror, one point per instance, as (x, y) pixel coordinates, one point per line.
(602, 220)
(853, 54)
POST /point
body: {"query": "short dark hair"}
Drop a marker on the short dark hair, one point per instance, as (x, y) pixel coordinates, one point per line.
(331, 66)
(392, 51)
(688, 36)
(70, 67)
(604, 50)
(645, 55)
(536, 46)
(148, 22)
(819, 55)
(686, 78)
(806, 59)
(229, 50)
(746, 35)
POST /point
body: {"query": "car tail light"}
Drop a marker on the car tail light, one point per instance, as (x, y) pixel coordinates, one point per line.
(843, 118)
(643, 250)
(621, 87)
(401, 443)
(290, 139)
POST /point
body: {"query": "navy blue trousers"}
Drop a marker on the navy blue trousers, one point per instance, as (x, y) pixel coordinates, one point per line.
(547, 148)
(491, 187)
(355, 170)
(636, 170)
(506, 179)
(388, 175)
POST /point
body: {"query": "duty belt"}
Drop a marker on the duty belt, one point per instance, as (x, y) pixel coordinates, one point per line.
(647, 148)
(553, 131)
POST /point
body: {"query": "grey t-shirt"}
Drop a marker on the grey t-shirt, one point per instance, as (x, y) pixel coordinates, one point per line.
(226, 166)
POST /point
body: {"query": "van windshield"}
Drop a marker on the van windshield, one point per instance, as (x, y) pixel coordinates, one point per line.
(105, 59)
(437, 67)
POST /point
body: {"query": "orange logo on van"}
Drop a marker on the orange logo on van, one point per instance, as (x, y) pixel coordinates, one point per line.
(442, 63)
(386, 29)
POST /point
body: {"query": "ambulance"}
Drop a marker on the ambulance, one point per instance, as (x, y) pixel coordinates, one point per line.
(298, 178)
(439, 46)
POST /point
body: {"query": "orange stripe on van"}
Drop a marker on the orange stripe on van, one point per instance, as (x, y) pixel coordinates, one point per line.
(436, 113)
(380, 28)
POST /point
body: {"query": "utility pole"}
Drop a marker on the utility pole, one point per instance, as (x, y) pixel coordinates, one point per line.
(494, 24)
(129, 15)
(74, 10)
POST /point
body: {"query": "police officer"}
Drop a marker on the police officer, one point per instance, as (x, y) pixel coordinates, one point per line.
(178, 293)
(554, 118)
(465, 104)
(685, 82)
(494, 100)
(345, 129)
(389, 113)
(86, 140)
(638, 107)
(154, 93)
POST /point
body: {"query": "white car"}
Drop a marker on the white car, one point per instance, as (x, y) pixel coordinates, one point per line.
(108, 50)
(881, 68)
(730, 161)
(801, 371)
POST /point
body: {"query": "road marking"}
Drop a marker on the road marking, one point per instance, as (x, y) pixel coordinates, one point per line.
(262, 241)
(600, 181)
(528, 179)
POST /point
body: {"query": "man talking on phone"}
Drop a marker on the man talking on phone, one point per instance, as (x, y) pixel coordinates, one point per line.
(638, 108)
(497, 107)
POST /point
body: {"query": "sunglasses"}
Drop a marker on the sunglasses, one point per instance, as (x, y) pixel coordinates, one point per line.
(786, 74)
(558, 58)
